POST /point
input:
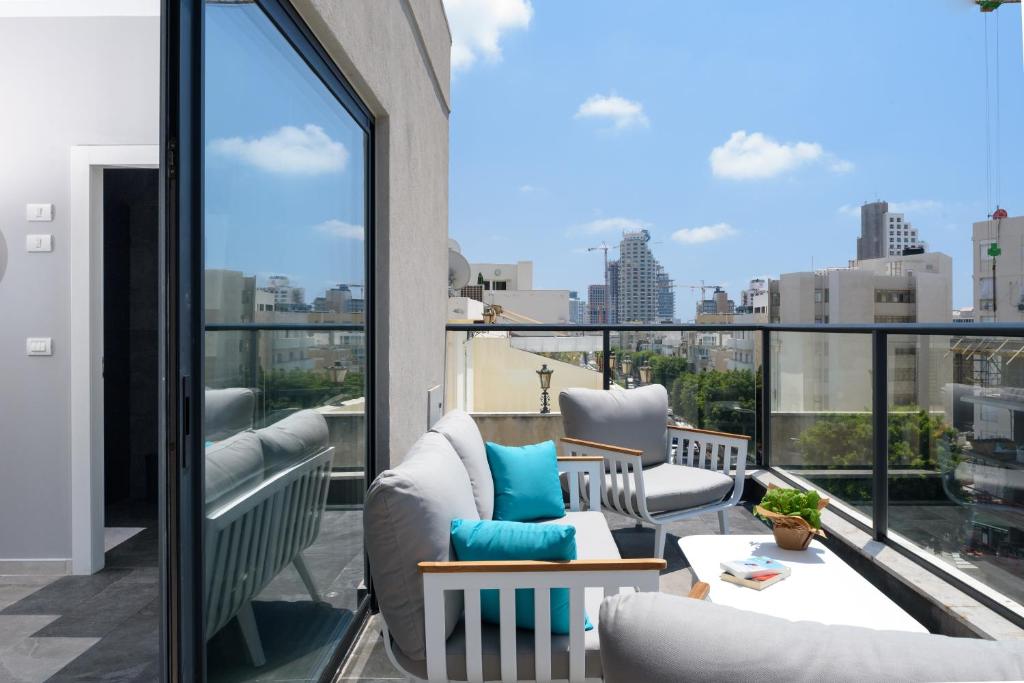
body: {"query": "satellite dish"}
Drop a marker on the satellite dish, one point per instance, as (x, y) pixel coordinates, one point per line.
(454, 246)
(458, 272)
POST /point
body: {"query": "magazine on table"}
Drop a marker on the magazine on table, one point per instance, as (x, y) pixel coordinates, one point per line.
(754, 572)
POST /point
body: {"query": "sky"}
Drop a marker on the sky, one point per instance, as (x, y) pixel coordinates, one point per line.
(743, 135)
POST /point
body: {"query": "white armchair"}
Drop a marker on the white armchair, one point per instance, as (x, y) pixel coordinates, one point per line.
(644, 479)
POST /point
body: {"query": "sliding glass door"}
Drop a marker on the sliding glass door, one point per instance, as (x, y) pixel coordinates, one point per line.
(277, 330)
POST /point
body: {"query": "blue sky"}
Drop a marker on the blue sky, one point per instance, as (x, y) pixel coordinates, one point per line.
(572, 120)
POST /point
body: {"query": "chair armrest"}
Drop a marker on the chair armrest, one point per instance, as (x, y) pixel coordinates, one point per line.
(708, 432)
(502, 566)
(575, 467)
(584, 447)
(699, 591)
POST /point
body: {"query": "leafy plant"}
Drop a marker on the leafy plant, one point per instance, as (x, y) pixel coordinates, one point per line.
(792, 502)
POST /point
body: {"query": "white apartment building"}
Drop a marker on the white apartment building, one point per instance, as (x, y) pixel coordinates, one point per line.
(510, 285)
(999, 299)
(825, 372)
(899, 234)
(638, 279)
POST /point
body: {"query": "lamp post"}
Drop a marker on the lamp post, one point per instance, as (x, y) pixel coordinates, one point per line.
(544, 374)
(611, 361)
(489, 315)
(627, 367)
(645, 374)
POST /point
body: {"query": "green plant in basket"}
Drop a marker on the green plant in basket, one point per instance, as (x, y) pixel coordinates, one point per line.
(805, 504)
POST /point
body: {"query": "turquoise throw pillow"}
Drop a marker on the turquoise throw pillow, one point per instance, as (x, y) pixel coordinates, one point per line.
(484, 539)
(526, 484)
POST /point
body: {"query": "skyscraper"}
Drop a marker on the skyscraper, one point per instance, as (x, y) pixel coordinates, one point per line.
(597, 311)
(613, 292)
(666, 296)
(638, 279)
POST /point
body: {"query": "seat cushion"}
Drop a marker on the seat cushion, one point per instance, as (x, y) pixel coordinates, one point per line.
(297, 436)
(635, 418)
(526, 484)
(641, 632)
(670, 487)
(227, 412)
(233, 465)
(406, 520)
(464, 436)
(594, 539)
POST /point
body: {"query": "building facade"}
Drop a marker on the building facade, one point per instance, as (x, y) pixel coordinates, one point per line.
(637, 300)
(999, 278)
(884, 233)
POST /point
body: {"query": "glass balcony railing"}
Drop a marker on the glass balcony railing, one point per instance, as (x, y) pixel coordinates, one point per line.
(916, 431)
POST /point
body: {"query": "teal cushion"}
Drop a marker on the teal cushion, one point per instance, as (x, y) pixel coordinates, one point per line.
(484, 539)
(526, 483)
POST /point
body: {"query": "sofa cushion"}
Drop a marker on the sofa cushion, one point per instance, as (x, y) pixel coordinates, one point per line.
(670, 487)
(640, 635)
(594, 540)
(233, 465)
(297, 436)
(406, 520)
(526, 484)
(635, 418)
(487, 539)
(464, 436)
(227, 412)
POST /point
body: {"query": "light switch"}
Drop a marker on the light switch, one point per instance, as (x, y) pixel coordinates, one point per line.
(35, 243)
(39, 212)
(39, 346)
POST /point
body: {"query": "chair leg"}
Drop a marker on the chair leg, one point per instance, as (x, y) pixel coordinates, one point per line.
(723, 522)
(251, 635)
(307, 577)
(659, 541)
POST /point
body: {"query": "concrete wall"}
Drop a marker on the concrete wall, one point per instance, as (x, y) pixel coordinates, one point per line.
(396, 55)
(1009, 233)
(541, 305)
(65, 82)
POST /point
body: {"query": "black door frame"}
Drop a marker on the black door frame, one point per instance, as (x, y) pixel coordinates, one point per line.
(182, 327)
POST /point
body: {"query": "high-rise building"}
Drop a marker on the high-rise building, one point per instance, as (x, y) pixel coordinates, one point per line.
(999, 269)
(666, 296)
(613, 292)
(597, 309)
(884, 233)
(638, 279)
(577, 308)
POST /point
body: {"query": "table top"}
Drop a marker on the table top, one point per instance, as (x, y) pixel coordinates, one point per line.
(821, 587)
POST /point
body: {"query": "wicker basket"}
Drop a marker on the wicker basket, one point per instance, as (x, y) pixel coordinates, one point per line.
(792, 532)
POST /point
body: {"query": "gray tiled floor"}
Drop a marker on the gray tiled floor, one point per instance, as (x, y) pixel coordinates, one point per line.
(368, 660)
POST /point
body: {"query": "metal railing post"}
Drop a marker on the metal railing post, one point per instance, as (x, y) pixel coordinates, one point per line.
(880, 436)
(764, 457)
(606, 369)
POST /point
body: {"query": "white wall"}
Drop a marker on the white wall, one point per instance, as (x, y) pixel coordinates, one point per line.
(396, 55)
(65, 81)
(541, 305)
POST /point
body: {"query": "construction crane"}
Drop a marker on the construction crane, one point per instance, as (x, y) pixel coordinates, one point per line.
(702, 287)
(993, 5)
(607, 291)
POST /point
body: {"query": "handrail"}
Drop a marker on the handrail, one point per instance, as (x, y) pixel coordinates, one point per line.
(961, 329)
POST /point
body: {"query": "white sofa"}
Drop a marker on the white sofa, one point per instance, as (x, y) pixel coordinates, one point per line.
(430, 603)
(266, 490)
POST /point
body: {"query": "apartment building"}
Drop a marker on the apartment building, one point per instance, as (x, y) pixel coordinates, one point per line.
(884, 233)
(998, 260)
(510, 285)
(637, 300)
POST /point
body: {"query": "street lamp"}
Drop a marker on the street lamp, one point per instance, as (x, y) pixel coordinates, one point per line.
(627, 367)
(611, 361)
(489, 315)
(544, 374)
(645, 374)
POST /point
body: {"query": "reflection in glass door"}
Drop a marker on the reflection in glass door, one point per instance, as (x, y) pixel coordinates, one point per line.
(285, 349)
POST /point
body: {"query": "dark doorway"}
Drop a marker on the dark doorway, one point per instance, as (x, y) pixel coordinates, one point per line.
(130, 374)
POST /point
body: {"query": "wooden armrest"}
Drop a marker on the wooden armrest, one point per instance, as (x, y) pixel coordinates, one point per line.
(602, 446)
(580, 458)
(699, 591)
(708, 432)
(538, 566)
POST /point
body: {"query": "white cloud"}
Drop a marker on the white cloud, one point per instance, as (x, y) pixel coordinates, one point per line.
(620, 111)
(336, 228)
(748, 156)
(477, 26)
(602, 225)
(705, 233)
(528, 189)
(288, 150)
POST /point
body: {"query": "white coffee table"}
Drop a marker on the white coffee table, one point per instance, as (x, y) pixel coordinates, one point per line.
(821, 588)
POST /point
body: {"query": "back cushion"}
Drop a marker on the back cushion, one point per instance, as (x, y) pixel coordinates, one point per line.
(635, 418)
(407, 519)
(227, 412)
(232, 466)
(464, 436)
(299, 435)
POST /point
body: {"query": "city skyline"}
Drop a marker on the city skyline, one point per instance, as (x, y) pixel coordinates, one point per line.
(738, 170)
